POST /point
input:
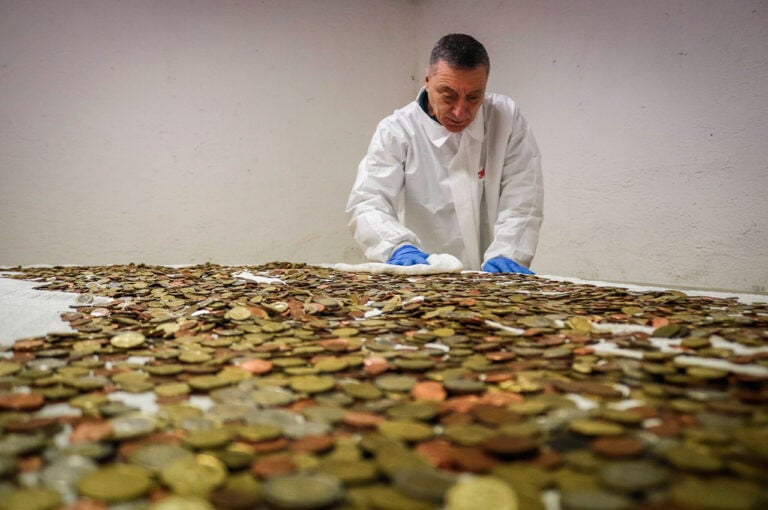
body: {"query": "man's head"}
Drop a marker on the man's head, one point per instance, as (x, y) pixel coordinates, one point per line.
(455, 80)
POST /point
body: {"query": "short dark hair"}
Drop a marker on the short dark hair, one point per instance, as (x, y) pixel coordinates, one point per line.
(460, 51)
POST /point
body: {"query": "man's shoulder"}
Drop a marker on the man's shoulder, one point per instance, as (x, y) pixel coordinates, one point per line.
(407, 113)
(499, 103)
(402, 120)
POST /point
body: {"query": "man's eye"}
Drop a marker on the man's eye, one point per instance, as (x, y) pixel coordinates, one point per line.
(448, 98)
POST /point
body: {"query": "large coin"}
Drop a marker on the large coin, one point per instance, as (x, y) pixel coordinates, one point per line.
(633, 476)
(176, 502)
(116, 482)
(196, 476)
(304, 491)
(481, 492)
(30, 498)
(594, 499)
(127, 340)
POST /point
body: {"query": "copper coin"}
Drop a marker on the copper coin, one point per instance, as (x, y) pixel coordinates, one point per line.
(256, 366)
(91, 431)
(362, 419)
(273, 465)
(494, 415)
(438, 452)
(31, 344)
(313, 444)
(509, 446)
(432, 391)
(31, 425)
(375, 365)
(269, 446)
(21, 401)
(617, 447)
(473, 459)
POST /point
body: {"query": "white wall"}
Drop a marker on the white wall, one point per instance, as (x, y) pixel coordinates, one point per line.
(652, 119)
(190, 131)
(223, 131)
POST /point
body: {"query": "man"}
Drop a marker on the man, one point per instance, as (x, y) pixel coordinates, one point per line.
(456, 171)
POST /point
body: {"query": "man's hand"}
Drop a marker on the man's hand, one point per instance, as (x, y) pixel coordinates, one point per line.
(408, 255)
(505, 265)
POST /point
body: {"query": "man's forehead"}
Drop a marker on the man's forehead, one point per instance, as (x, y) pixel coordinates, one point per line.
(464, 79)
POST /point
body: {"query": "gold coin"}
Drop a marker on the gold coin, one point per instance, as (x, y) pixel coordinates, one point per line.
(177, 502)
(312, 383)
(127, 340)
(406, 430)
(8, 368)
(717, 494)
(706, 373)
(304, 491)
(239, 313)
(382, 497)
(30, 498)
(345, 332)
(197, 475)
(350, 472)
(259, 432)
(332, 365)
(694, 458)
(596, 428)
(208, 439)
(115, 483)
(172, 389)
(481, 492)
(579, 323)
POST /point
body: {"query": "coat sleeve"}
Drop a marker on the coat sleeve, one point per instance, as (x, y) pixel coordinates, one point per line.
(375, 197)
(520, 211)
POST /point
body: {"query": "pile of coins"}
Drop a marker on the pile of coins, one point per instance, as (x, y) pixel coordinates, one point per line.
(309, 388)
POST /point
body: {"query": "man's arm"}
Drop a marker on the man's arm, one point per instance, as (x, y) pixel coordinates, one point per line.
(374, 197)
(520, 211)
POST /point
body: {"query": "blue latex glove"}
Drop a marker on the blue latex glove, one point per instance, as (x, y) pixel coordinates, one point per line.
(408, 255)
(505, 265)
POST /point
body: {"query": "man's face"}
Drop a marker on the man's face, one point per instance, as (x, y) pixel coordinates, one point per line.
(455, 95)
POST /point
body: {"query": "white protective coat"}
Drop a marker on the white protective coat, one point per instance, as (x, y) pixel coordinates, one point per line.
(476, 194)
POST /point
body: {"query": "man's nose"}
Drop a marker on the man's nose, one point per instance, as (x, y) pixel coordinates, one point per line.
(461, 109)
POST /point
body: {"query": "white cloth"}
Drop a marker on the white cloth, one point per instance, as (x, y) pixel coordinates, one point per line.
(476, 194)
(438, 263)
